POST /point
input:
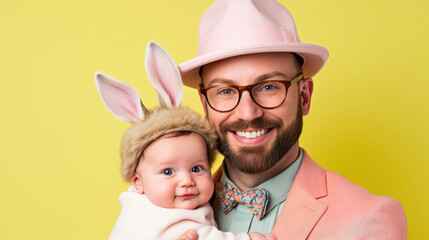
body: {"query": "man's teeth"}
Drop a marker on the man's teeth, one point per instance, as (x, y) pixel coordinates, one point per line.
(253, 134)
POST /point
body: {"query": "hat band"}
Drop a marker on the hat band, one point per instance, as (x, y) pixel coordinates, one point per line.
(241, 36)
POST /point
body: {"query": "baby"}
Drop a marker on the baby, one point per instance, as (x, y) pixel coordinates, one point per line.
(166, 155)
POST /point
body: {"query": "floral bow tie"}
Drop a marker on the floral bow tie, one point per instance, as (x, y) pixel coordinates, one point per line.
(255, 199)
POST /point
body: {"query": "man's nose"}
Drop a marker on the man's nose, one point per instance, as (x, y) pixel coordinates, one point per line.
(247, 109)
(186, 180)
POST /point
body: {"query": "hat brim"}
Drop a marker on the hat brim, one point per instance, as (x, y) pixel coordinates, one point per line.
(314, 58)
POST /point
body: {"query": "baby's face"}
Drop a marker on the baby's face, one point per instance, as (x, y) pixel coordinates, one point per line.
(174, 172)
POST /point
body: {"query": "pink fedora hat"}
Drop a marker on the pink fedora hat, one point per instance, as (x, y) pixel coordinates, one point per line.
(236, 27)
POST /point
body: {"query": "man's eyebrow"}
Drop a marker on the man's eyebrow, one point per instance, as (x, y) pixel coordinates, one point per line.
(217, 81)
(271, 75)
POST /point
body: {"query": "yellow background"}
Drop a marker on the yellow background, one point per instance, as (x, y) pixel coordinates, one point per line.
(59, 156)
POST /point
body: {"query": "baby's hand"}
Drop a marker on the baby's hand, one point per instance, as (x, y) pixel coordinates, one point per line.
(260, 236)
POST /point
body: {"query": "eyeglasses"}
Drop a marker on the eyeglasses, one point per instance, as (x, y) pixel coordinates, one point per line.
(267, 94)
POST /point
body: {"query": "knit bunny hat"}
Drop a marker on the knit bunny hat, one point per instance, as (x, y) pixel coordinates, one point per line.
(124, 102)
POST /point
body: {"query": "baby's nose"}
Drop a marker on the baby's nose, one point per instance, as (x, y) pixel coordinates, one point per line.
(186, 180)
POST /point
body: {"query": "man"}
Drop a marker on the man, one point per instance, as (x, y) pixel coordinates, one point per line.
(256, 84)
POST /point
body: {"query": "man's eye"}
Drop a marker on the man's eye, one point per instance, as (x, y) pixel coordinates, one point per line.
(168, 171)
(197, 169)
(225, 91)
(268, 87)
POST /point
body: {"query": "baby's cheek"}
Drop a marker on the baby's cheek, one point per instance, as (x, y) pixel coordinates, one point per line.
(162, 196)
(208, 187)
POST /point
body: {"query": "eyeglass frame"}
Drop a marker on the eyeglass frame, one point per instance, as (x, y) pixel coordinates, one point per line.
(249, 88)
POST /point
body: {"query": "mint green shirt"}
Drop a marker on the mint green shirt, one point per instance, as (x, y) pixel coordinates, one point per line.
(241, 218)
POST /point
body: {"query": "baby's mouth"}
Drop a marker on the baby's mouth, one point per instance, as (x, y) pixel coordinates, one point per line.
(188, 195)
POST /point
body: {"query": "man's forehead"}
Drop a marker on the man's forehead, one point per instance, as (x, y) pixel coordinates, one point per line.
(257, 66)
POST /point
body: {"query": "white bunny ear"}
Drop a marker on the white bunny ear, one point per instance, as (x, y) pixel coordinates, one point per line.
(164, 75)
(120, 98)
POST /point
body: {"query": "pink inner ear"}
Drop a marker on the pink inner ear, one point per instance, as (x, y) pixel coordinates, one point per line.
(165, 75)
(170, 77)
(122, 103)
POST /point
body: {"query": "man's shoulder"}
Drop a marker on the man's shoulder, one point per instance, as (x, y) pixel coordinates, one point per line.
(353, 210)
(336, 185)
(339, 193)
(341, 188)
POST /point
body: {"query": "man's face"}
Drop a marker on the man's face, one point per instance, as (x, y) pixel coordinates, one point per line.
(254, 139)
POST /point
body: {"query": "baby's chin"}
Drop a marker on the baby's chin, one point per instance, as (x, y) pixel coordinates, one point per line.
(191, 207)
(182, 203)
(181, 206)
(188, 205)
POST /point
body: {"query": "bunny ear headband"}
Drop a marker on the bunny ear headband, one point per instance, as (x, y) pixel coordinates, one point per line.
(124, 102)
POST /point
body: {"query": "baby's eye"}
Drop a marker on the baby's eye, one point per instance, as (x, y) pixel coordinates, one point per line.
(197, 169)
(168, 171)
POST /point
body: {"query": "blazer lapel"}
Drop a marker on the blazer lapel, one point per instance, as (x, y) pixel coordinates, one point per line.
(302, 210)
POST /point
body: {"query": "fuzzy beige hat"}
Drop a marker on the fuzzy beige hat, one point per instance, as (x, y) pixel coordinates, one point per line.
(124, 102)
(160, 122)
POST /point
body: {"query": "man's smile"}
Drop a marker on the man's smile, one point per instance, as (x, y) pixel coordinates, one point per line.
(251, 134)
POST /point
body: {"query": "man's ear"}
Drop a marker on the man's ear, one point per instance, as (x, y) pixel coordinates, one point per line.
(306, 91)
(136, 181)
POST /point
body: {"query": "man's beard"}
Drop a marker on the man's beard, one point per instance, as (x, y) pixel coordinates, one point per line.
(255, 160)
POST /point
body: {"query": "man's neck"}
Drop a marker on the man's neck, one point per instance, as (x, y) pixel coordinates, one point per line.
(246, 181)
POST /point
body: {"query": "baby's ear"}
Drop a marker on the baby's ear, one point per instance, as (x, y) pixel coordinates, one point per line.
(137, 183)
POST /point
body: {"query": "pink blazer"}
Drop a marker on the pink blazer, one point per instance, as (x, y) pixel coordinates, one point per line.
(324, 205)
